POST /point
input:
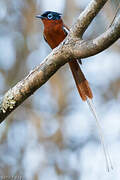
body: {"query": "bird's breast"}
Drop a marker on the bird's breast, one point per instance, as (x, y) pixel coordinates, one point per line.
(54, 35)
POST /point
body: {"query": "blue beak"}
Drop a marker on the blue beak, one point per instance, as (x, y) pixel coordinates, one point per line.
(39, 16)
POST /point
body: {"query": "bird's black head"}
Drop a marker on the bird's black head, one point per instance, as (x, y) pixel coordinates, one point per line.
(50, 15)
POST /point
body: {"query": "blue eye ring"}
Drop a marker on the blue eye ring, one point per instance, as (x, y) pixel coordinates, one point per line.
(50, 16)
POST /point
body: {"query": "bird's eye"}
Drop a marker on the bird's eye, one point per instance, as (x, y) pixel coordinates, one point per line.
(50, 16)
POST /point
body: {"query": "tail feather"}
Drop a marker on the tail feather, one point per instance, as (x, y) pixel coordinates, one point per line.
(108, 160)
(81, 82)
(86, 95)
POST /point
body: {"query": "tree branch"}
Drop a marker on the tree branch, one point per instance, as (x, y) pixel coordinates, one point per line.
(35, 79)
(86, 49)
(86, 17)
(67, 50)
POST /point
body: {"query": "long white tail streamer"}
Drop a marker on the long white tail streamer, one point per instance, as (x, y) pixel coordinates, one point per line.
(106, 153)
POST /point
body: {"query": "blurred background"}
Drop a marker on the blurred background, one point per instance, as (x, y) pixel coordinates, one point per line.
(53, 135)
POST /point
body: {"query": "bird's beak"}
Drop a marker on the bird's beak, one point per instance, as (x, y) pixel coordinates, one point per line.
(39, 16)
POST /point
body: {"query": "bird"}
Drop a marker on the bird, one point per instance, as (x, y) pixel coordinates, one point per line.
(55, 31)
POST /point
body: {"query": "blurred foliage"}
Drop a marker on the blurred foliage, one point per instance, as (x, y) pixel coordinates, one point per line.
(51, 135)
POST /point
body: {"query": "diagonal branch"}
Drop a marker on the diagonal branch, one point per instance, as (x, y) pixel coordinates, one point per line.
(85, 49)
(35, 79)
(86, 17)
